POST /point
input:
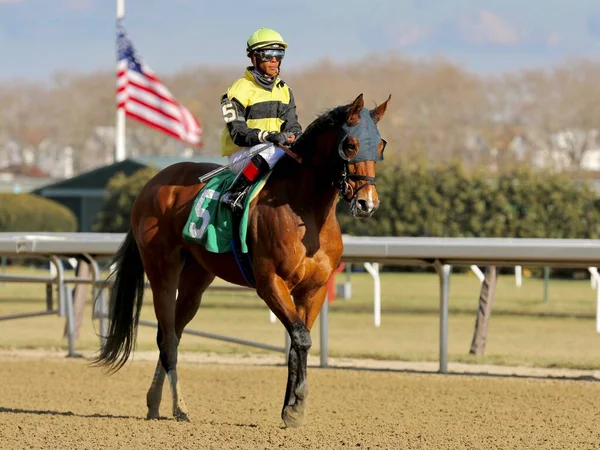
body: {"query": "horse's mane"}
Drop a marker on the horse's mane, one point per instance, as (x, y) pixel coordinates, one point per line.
(306, 143)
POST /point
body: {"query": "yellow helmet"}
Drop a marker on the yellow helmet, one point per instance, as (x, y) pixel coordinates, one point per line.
(263, 38)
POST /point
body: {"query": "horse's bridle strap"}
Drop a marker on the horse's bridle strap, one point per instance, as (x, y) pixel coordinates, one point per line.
(348, 193)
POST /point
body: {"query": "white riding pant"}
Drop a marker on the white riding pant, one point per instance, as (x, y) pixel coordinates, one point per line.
(240, 159)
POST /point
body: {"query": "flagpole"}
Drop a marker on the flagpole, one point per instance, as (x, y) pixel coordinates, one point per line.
(120, 152)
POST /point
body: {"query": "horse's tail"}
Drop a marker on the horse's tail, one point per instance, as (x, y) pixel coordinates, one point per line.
(125, 304)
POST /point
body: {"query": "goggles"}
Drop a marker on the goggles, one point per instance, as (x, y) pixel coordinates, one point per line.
(268, 54)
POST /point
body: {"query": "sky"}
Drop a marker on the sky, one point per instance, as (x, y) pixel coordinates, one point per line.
(40, 37)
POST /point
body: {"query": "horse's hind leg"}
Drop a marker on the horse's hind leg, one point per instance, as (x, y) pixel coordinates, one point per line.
(154, 395)
(163, 274)
(193, 281)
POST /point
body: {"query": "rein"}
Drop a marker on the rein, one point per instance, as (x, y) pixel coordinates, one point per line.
(291, 153)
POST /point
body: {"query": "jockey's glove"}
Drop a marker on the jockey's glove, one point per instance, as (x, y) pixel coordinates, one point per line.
(277, 138)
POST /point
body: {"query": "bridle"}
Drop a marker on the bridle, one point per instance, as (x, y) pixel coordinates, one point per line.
(341, 182)
(347, 191)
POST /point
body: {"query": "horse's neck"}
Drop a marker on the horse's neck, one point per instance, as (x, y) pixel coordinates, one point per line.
(309, 190)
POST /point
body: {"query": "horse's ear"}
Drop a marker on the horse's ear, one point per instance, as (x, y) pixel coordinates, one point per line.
(353, 117)
(379, 111)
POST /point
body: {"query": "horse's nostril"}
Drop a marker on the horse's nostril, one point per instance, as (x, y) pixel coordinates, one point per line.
(363, 205)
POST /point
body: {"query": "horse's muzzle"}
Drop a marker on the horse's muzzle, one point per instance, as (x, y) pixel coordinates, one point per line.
(363, 208)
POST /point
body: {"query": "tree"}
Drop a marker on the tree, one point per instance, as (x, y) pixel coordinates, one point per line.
(439, 110)
(558, 108)
(121, 191)
(28, 212)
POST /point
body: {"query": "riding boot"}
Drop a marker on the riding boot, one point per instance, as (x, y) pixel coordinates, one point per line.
(255, 169)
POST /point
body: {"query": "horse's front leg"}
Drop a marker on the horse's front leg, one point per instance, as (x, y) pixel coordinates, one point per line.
(308, 308)
(294, 404)
(297, 322)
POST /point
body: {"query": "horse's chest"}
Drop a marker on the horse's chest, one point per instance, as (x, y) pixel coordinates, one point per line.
(314, 266)
(299, 247)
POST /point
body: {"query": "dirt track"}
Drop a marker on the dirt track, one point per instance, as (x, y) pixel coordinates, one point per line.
(58, 403)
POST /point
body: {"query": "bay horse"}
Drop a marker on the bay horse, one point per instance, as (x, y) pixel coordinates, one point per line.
(293, 236)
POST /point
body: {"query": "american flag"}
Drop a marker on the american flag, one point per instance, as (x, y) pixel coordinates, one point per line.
(145, 98)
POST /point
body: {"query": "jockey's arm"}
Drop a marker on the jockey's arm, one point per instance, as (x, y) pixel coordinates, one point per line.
(234, 115)
(291, 126)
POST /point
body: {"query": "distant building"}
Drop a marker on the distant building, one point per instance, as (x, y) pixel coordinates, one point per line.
(62, 161)
(22, 178)
(84, 193)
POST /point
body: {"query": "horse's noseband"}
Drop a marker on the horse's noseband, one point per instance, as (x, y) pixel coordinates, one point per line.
(349, 193)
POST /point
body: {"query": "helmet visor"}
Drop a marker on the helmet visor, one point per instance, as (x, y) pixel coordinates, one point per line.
(268, 54)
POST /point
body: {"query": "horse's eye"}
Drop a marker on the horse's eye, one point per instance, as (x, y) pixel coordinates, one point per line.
(351, 146)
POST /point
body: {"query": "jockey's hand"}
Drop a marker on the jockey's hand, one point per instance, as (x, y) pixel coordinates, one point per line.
(277, 138)
(291, 137)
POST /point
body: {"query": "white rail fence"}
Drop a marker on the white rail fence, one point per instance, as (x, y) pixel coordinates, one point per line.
(441, 253)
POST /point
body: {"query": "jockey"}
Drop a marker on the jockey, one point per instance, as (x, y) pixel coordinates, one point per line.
(257, 109)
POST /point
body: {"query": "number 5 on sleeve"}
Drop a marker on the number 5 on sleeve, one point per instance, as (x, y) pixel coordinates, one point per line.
(228, 111)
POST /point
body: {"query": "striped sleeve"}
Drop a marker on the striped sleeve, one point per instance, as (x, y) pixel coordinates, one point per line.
(290, 117)
(233, 109)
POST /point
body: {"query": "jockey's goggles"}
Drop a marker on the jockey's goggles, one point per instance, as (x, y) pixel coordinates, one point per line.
(268, 54)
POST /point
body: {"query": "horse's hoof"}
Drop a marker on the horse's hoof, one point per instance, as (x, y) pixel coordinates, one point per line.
(292, 418)
(181, 416)
(152, 415)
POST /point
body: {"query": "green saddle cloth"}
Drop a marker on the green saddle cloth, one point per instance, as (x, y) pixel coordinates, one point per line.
(210, 222)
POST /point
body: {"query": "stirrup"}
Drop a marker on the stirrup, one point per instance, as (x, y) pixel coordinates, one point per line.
(237, 205)
(228, 198)
(234, 199)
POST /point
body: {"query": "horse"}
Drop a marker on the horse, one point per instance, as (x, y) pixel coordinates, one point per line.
(293, 236)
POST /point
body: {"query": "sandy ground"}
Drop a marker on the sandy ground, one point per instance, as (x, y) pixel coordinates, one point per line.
(48, 401)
